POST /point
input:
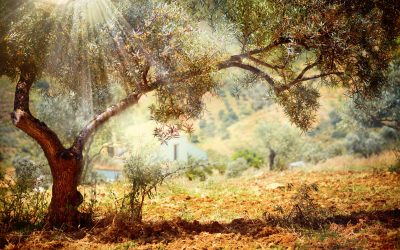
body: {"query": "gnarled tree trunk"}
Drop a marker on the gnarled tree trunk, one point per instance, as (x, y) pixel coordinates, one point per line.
(66, 170)
(66, 164)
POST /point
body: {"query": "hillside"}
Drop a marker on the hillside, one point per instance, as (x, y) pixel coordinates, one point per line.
(241, 133)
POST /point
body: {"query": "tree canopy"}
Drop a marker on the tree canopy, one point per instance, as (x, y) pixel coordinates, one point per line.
(88, 45)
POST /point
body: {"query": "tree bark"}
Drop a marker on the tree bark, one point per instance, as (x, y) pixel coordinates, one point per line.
(65, 200)
(65, 165)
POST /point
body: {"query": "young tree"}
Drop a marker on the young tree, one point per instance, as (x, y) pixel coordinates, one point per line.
(150, 46)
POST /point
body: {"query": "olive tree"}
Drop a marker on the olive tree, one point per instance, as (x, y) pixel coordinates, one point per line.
(155, 46)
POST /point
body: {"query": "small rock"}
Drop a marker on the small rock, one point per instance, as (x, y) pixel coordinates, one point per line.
(275, 185)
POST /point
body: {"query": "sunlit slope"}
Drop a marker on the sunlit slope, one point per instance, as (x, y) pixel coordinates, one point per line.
(242, 133)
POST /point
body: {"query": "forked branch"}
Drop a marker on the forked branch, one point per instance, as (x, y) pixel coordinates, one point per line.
(24, 120)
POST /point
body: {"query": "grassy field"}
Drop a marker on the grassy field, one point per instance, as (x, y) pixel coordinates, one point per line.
(354, 207)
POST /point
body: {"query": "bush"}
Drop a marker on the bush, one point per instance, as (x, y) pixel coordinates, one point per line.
(143, 179)
(303, 210)
(197, 169)
(23, 199)
(389, 134)
(280, 165)
(237, 167)
(334, 118)
(337, 134)
(200, 169)
(364, 143)
(395, 168)
(2, 169)
(252, 158)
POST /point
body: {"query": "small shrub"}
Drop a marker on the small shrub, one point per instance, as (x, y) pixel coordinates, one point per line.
(389, 134)
(23, 199)
(252, 158)
(280, 165)
(200, 169)
(337, 134)
(335, 149)
(364, 143)
(90, 201)
(237, 167)
(197, 169)
(30, 174)
(304, 211)
(395, 168)
(334, 118)
(143, 179)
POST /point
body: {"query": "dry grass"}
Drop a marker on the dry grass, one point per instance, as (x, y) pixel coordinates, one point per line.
(228, 214)
(348, 162)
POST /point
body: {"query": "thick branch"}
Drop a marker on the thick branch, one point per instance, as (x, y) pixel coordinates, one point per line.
(268, 48)
(92, 126)
(276, 43)
(39, 131)
(124, 104)
(297, 81)
(21, 100)
(24, 120)
(307, 68)
(258, 61)
(257, 71)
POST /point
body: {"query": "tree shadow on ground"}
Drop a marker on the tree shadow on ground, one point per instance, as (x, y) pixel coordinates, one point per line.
(120, 229)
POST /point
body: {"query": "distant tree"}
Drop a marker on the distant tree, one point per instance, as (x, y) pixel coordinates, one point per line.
(153, 46)
(281, 143)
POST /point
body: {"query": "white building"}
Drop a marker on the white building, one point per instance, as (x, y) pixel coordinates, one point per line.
(180, 149)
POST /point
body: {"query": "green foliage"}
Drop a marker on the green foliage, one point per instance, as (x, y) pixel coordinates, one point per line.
(395, 168)
(236, 168)
(337, 134)
(167, 46)
(60, 115)
(30, 174)
(322, 36)
(382, 110)
(143, 179)
(364, 142)
(389, 134)
(334, 118)
(200, 169)
(252, 158)
(299, 103)
(286, 141)
(23, 200)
